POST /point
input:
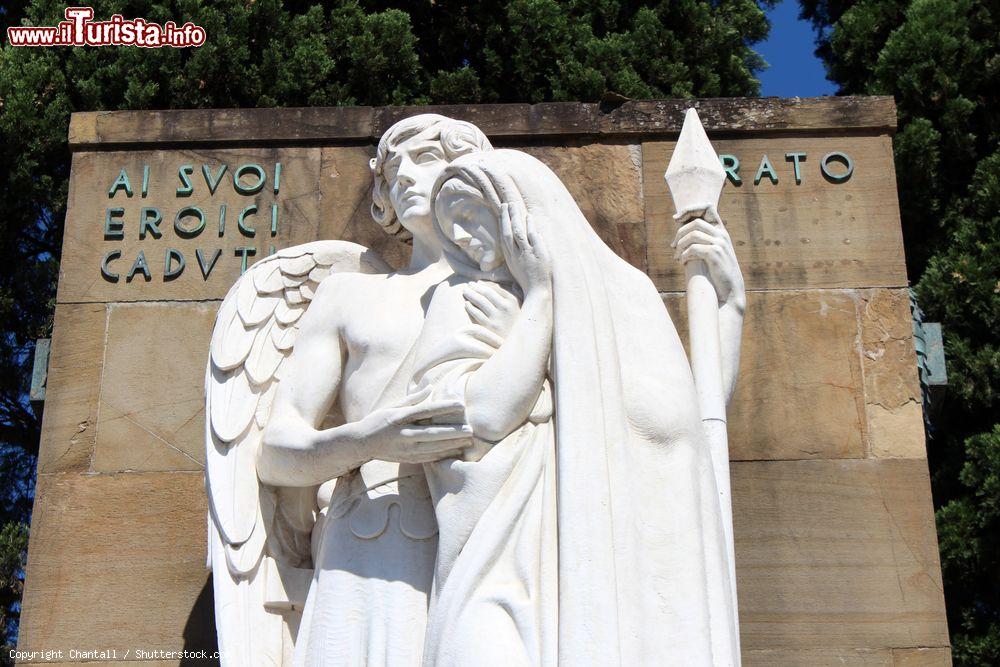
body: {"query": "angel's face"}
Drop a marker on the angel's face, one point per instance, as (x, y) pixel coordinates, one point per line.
(470, 222)
(411, 171)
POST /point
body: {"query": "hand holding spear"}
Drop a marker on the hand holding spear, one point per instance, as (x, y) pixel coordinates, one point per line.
(695, 177)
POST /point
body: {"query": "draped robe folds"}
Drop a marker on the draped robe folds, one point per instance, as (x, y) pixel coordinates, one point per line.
(367, 604)
(493, 601)
(642, 576)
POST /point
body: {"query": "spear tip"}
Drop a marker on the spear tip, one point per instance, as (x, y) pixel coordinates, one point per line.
(695, 176)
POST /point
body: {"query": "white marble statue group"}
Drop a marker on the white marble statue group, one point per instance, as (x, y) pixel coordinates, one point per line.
(493, 456)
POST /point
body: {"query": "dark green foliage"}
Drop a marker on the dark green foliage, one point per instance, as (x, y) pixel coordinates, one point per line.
(941, 61)
(265, 53)
(969, 532)
(13, 545)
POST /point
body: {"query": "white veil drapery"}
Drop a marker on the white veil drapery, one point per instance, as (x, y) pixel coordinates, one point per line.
(642, 566)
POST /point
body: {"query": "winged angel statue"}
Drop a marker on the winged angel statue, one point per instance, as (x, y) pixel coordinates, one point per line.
(265, 522)
(260, 535)
(491, 457)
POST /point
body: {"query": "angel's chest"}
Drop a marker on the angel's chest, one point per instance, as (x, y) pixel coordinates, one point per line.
(381, 331)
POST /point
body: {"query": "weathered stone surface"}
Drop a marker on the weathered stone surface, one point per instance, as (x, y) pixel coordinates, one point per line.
(218, 126)
(818, 658)
(345, 203)
(69, 424)
(506, 120)
(837, 554)
(152, 401)
(887, 347)
(118, 561)
(605, 179)
(788, 235)
(800, 392)
(318, 124)
(115, 663)
(921, 657)
(892, 386)
(757, 114)
(896, 433)
(85, 242)
(914, 657)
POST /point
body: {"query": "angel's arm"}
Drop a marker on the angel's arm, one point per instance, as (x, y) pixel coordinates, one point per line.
(501, 393)
(294, 451)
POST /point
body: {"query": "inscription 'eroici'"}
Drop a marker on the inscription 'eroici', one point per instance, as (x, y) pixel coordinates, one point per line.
(191, 221)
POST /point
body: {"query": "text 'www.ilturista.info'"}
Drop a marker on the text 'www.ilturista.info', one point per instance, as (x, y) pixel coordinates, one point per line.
(79, 29)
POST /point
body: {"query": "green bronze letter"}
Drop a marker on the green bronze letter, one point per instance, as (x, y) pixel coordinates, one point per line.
(149, 220)
(765, 168)
(114, 228)
(170, 271)
(796, 158)
(121, 183)
(183, 172)
(731, 164)
(251, 189)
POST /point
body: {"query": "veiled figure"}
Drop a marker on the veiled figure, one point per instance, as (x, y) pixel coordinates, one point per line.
(593, 537)
(495, 598)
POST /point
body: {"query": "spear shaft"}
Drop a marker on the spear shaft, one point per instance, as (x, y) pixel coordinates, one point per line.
(695, 178)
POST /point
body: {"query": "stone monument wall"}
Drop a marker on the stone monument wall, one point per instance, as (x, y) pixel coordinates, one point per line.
(835, 541)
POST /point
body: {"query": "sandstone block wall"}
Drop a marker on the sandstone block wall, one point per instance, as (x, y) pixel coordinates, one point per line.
(836, 546)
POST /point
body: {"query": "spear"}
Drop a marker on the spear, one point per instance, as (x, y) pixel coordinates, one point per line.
(695, 177)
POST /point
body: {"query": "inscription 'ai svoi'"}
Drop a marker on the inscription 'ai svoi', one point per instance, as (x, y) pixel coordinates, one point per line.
(251, 221)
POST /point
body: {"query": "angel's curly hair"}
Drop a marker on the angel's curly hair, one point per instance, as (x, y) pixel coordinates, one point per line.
(457, 138)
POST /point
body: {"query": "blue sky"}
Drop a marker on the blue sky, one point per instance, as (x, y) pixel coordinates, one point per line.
(794, 71)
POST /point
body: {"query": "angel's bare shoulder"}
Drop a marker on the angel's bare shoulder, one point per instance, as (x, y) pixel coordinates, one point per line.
(339, 294)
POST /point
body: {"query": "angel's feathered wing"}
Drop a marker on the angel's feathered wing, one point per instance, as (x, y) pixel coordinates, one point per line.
(259, 536)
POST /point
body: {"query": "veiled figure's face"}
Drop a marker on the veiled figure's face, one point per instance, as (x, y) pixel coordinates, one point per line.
(411, 171)
(466, 218)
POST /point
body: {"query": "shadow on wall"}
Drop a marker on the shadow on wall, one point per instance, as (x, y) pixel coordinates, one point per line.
(199, 631)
